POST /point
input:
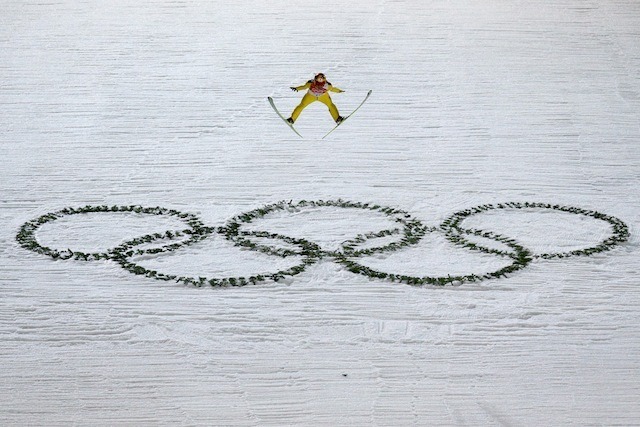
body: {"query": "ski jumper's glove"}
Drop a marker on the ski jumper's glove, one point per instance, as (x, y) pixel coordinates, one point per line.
(295, 89)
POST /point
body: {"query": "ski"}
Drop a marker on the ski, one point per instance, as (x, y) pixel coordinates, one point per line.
(345, 119)
(281, 116)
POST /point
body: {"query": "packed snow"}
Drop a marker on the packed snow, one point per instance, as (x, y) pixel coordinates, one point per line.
(164, 104)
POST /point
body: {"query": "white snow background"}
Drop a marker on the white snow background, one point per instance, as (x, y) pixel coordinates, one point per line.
(163, 103)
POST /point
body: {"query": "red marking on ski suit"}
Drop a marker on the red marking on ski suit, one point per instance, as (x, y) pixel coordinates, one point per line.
(319, 88)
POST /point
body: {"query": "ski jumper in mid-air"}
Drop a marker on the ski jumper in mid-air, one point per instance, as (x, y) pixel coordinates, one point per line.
(319, 89)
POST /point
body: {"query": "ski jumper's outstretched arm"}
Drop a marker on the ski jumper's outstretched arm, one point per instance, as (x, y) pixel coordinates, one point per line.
(307, 85)
(332, 88)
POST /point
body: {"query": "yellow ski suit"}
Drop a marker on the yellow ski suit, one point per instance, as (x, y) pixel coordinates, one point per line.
(310, 98)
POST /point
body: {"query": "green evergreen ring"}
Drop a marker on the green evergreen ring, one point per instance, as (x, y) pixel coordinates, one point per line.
(411, 229)
(27, 239)
(453, 229)
(520, 256)
(123, 258)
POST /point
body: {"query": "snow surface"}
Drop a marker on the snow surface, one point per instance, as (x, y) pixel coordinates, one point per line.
(163, 103)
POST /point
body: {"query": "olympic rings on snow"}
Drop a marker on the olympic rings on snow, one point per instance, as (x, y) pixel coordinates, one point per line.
(409, 231)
